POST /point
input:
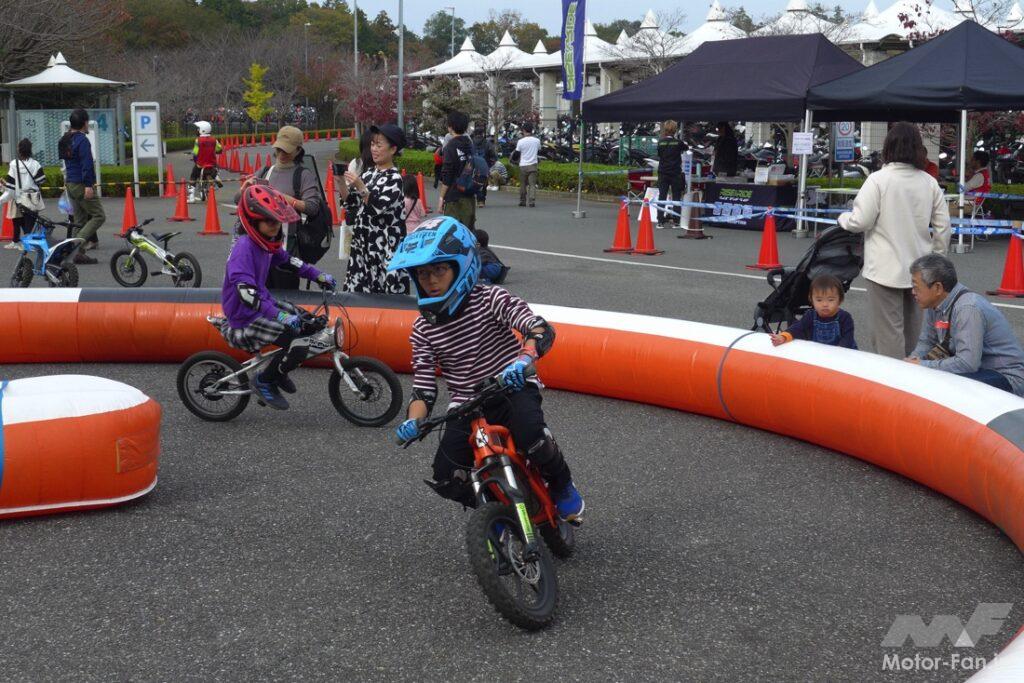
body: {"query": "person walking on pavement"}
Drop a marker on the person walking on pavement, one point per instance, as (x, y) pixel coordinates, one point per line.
(75, 151)
(527, 149)
(457, 153)
(670, 171)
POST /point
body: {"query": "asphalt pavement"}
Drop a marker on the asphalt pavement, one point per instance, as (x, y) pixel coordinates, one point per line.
(296, 546)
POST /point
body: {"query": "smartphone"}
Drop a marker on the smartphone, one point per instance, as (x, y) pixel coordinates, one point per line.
(339, 168)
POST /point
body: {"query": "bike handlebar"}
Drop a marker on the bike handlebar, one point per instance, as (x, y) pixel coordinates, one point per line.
(485, 390)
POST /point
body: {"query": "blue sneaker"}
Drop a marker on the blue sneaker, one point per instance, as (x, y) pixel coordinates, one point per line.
(267, 393)
(569, 503)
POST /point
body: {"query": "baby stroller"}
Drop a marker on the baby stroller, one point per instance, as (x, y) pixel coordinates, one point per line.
(836, 252)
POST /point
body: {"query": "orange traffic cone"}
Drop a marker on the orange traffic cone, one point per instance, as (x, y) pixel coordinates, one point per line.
(270, 160)
(7, 225)
(768, 258)
(212, 225)
(236, 166)
(130, 220)
(181, 208)
(263, 139)
(332, 200)
(423, 192)
(1013, 271)
(316, 135)
(246, 167)
(645, 235)
(169, 184)
(353, 136)
(622, 241)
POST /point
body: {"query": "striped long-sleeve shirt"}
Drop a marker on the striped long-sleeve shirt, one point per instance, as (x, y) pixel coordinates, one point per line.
(478, 344)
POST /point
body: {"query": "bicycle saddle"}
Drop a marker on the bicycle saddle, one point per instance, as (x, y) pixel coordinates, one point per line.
(166, 236)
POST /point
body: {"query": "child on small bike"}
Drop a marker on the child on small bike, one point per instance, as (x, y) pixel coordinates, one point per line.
(204, 152)
(254, 318)
(467, 329)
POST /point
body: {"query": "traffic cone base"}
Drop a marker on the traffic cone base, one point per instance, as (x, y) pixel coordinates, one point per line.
(645, 235)
(181, 208)
(622, 243)
(768, 257)
(1012, 284)
(212, 224)
(129, 219)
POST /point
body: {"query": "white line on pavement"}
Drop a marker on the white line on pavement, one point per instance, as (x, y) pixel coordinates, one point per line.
(689, 270)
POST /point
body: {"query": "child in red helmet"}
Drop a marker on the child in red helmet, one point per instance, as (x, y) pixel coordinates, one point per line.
(254, 318)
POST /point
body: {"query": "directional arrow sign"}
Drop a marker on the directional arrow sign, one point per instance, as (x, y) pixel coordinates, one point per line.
(148, 146)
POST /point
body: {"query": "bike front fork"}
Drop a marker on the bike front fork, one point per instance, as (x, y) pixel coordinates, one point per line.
(503, 475)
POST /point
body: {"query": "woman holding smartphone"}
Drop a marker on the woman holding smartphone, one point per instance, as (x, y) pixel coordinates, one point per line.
(374, 202)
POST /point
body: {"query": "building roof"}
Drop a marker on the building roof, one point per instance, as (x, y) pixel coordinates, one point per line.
(926, 19)
(506, 56)
(58, 74)
(466, 61)
(796, 20)
(716, 27)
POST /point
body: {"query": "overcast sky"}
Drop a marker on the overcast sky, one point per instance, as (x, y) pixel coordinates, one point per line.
(547, 13)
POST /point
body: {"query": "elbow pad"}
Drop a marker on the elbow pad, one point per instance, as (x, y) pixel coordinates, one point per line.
(428, 397)
(292, 265)
(249, 296)
(544, 339)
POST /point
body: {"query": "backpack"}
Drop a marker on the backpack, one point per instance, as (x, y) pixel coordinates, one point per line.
(473, 180)
(313, 236)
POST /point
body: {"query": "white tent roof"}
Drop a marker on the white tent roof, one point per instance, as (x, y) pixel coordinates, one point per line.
(506, 56)
(1014, 19)
(888, 22)
(539, 49)
(797, 19)
(466, 61)
(870, 12)
(717, 27)
(650, 21)
(58, 74)
(623, 38)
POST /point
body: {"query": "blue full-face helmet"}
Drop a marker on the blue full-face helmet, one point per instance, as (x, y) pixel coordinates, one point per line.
(440, 240)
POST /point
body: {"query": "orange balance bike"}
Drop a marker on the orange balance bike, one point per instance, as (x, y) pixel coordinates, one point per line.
(513, 512)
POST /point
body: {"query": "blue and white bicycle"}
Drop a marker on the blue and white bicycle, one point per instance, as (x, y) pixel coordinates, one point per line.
(39, 258)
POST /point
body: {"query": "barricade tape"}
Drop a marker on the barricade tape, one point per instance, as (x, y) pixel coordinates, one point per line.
(732, 208)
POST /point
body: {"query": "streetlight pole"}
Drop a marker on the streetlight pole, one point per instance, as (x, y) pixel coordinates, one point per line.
(355, 43)
(401, 62)
(453, 29)
(305, 61)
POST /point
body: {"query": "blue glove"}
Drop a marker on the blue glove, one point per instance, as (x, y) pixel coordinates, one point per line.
(514, 375)
(408, 431)
(327, 281)
(289, 319)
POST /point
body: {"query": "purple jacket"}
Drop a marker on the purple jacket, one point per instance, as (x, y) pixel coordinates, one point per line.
(244, 295)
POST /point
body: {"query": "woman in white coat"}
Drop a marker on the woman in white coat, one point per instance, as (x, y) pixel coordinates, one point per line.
(895, 209)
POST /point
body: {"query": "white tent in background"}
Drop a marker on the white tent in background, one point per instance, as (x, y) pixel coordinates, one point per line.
(797, 19)
(466, 61)
(506, 56)
(1014, 19)
(59, 75)
(623, 39)
(715, 27)
(649, 40)
(870, 12)
(540, 57)
(928, 19)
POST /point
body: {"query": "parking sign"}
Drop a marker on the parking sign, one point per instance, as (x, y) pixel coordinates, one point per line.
(147, 141)
(843, 148)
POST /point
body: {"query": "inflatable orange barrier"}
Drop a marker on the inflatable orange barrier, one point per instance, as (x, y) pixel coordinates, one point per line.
(954, 435)
(72, 442)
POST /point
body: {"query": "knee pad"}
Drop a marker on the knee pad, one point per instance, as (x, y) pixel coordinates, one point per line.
(457, 488)
(545, 450)
(296, 353)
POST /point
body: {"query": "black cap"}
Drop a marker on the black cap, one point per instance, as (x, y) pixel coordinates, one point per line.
(392, 132)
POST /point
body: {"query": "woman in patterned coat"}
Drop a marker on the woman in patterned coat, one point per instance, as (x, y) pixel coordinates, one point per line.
(374, 202)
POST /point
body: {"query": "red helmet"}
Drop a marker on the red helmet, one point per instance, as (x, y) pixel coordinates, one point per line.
(264, 203)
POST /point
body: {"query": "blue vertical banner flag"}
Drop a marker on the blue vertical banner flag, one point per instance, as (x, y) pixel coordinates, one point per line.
(573, 22)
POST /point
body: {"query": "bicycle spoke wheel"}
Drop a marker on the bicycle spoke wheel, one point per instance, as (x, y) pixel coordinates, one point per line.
(378, 395)
(522, 589)
(189, 272)
(128, 270)
(199, 390)
(22, 273)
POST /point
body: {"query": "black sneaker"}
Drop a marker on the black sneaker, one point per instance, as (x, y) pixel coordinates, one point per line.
(286, 385)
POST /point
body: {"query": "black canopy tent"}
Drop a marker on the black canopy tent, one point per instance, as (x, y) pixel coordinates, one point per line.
(747, 79)
(968, 68)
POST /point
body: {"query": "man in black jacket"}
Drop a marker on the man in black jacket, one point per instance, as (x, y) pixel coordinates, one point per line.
(457, 153)
(670, 171)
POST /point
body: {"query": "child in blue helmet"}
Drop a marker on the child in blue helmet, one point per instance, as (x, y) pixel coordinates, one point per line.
(467, 329)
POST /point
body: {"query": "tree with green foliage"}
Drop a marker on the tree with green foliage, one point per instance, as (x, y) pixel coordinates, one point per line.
(487, 34)
(740, 19)
(256, 96)
(610, 32)
(437, 33)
